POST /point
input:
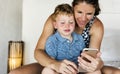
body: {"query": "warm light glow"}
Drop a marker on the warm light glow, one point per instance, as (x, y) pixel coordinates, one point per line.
(15, 55)
(14, 63)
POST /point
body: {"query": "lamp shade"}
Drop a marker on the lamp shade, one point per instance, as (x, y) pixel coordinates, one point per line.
(15, 54)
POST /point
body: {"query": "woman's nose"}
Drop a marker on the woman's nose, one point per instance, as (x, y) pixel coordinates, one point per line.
(84, 17)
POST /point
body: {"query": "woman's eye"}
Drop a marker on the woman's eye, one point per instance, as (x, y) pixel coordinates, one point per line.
(79, 12)
(89, 13)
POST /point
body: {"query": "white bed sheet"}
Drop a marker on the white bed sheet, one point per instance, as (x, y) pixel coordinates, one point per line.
(112, 63)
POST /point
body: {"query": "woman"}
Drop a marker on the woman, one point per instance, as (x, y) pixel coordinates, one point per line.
(92, 30)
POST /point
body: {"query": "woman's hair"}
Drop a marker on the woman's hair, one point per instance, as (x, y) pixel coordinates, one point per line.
(95, 4)
(64, 9)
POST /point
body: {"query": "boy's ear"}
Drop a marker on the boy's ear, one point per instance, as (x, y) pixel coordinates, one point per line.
(54, 24)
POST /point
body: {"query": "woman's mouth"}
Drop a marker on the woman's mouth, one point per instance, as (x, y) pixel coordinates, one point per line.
(81, 23)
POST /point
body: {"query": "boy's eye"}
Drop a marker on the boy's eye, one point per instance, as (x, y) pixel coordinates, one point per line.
(62, 22)
(71, 22)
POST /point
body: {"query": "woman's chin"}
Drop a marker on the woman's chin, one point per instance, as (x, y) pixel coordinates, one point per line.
(81, 26)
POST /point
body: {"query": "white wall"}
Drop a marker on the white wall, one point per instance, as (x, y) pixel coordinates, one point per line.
(10, 28)
(110, 17)
(110, 13)
(35, 13)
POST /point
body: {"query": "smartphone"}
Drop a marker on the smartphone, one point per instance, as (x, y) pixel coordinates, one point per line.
(90, 51)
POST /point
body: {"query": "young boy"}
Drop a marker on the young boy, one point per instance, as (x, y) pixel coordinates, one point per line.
(64, 44)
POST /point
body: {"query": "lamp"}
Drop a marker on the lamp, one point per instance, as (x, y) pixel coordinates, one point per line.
(15, 54)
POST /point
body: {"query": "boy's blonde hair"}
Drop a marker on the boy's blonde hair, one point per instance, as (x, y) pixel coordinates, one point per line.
(64, 9)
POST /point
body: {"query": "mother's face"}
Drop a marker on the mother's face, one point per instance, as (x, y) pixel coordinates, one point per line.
(83, 13)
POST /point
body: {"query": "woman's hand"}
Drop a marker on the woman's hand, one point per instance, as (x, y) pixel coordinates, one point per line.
(65, 67)
(93, 65)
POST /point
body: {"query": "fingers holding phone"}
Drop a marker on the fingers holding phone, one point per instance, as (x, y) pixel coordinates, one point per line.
(91, 52)
(87, 61)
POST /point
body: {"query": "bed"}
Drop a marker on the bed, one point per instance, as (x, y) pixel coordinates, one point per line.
(110, 47)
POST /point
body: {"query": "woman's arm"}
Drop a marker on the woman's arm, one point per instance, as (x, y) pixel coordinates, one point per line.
(39, 53)
(96, 32)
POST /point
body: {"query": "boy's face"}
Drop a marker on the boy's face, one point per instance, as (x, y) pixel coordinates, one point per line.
(65, 24)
